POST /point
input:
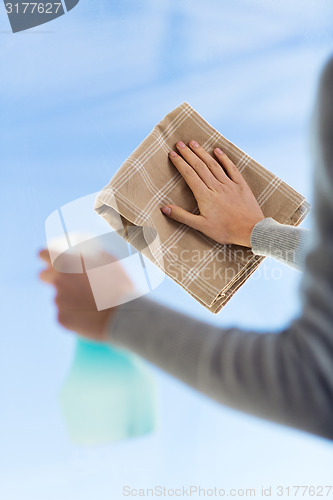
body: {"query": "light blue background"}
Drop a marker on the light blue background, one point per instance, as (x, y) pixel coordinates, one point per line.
(77, 96)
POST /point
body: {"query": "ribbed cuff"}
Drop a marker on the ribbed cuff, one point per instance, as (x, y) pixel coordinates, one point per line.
(285, 243)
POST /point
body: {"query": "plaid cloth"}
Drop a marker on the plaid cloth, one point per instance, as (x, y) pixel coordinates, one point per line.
(147, 180)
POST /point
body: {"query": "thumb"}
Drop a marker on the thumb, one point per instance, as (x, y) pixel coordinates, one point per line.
(181, 215)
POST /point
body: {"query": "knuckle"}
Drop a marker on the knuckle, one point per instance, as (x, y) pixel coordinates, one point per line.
(197, 165)
(189, 172)
(236, 170)
(57, 300)
(242, 187)
(63, 318)
(63, 298)
(237, 173)
(219, 187)
(213, 166)
(58, 280)
(42, 275)
(57, 283)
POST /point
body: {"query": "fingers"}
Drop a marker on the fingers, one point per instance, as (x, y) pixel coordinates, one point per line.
(198, 164)
(210, 171)
(181, 215)
(213, 166)
(192, 179)
(229, 166)
(65, 262)
(44, 255)
(48, 275)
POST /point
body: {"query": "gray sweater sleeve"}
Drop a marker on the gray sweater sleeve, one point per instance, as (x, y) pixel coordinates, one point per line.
(285, 376)
(287, 244)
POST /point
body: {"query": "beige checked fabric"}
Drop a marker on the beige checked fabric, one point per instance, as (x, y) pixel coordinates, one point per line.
(147, 180)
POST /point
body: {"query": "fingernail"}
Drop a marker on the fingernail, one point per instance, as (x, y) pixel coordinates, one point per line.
(219, 151)
(173, 153)
(194, 144)
(166, 210)
(181, 144)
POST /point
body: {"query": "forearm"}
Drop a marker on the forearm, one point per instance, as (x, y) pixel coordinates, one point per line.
(275, 376)
(288, 244)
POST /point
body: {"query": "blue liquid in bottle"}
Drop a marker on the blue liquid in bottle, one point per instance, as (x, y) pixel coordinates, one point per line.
(109, 395)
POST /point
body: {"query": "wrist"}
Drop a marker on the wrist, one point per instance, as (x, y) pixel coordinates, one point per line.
(248, 232)
(116, 310)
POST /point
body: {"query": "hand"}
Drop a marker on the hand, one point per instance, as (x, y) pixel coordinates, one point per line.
(74, 298)
(228, 208)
